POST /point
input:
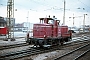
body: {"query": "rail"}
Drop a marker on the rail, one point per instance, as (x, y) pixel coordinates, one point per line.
(71, 51)
(82, 54)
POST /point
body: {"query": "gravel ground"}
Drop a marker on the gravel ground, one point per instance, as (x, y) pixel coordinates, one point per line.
(17, 41)
(86, 56)
(13, 49)
(53, 54)
(45, 56)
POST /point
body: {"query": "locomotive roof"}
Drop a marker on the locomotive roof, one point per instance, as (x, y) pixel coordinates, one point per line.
(46, 18)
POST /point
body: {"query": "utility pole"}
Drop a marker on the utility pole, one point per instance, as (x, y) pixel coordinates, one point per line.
(73, 19)
(10, 19)
(64, 13)
(27, 21)
(84, 23)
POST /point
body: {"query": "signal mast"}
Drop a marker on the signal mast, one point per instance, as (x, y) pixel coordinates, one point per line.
(10, 19)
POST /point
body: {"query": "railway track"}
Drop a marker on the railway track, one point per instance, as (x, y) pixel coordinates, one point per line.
(24, 44)
(33, 51)
(24, 53)
(12, 46)
(82, 54)
(69, 55)
(77, 41)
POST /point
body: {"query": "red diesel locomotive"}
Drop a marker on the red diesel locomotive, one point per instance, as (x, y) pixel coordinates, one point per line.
(48, 33)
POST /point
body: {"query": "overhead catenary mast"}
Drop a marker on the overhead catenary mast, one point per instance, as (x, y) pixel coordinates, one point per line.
(64, 13)
(10, 19)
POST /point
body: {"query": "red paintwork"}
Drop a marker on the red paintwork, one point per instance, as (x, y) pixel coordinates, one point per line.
(63, 31)
(45, 29)
(42, 30)
(3, 30)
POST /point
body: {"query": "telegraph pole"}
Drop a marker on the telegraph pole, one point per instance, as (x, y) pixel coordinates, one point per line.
(64, 13)
(73, 19)
(84, 23)
(10, 19)
(27, 21)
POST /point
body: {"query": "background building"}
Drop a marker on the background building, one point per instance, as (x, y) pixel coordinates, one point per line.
(2, 22)
(25, 26)
(12, 21)
(28, 25)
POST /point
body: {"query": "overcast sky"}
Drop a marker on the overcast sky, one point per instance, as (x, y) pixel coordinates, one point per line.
(36, 9)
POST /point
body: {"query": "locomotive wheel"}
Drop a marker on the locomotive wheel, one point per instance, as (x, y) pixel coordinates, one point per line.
(59, 43)
(62, 43)
(30, 42)
(41, 43)
(66, 39)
